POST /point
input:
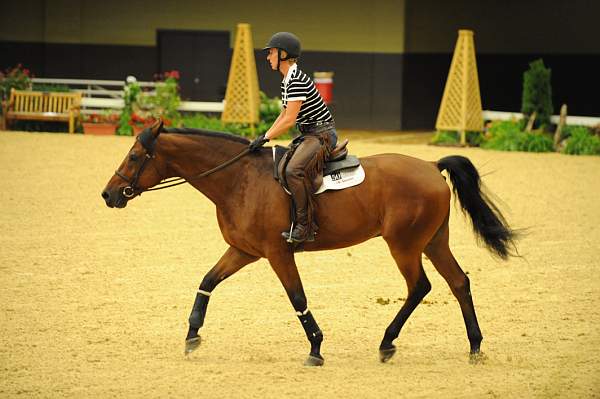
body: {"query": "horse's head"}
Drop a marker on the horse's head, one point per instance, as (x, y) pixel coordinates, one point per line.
(138, 171)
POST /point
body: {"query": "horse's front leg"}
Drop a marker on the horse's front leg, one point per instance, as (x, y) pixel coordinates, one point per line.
(284, 266)
(232, 261)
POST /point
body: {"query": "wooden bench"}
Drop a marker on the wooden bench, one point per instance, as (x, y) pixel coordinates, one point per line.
(42, 106)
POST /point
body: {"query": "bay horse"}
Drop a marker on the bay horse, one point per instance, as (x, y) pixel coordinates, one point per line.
(403, 199)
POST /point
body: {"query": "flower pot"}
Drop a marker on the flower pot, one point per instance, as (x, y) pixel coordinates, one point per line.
(104, 129)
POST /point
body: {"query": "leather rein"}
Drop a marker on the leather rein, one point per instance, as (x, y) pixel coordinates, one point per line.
(132, 190)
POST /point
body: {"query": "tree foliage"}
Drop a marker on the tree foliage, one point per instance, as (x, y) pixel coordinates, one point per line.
(537, 93)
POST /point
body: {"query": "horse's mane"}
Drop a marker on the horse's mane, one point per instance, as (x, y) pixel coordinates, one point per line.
(204, 132)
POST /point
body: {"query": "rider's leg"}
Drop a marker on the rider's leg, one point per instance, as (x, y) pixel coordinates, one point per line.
(295, 173)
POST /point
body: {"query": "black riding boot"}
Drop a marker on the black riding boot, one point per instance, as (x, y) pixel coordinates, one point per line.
(301, 231)
(296, 176)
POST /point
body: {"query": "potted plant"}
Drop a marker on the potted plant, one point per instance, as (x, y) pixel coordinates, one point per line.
(104, 123)
(140, 120)
(18, 78)
(143, 107)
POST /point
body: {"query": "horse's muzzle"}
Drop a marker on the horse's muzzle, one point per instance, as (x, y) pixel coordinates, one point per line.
(115, 199)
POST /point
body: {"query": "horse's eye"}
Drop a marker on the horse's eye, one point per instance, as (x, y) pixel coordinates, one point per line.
(133, 158)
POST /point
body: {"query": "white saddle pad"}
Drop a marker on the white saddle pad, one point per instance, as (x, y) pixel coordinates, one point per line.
(342, 179)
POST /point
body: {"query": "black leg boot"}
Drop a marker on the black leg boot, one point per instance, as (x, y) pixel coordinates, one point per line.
(301, 231)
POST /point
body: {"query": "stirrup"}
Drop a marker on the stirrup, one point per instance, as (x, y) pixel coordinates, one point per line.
(288, 236)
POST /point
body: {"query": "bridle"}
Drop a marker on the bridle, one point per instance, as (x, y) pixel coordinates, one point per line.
(148, 142)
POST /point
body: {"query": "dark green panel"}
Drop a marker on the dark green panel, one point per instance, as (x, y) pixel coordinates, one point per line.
(575, 81)
(509, 27)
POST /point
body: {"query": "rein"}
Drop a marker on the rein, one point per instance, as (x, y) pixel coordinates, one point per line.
(132, 190)
(203, 174)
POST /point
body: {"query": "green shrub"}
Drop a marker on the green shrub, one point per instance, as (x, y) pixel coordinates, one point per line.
(475, 139)
(452, 137)
(163, 103)
(537, 93)
(504, 136)
(131, 91)
(50, 87)
(269, 110)
(537, 142)
(581, 141)
(202, 121)
(522, 124)
(143, 108)
(446, 137)
(569, 130)
(507, 136)
(17, 78)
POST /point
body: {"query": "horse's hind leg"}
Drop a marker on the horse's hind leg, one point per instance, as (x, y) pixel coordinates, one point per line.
(418, 286)
(440, 255)
(232, 261)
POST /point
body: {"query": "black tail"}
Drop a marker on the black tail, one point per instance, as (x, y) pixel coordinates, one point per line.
(488, 222)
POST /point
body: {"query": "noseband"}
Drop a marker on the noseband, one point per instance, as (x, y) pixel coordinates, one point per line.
(148, 142)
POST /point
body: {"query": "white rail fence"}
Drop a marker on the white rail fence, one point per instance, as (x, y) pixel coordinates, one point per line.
(100, 95)
(571, 120)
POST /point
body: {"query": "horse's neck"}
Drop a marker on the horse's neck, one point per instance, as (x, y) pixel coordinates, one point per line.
(190, 156)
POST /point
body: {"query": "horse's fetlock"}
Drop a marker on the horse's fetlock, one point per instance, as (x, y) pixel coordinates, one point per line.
(208, 283)
(424, 286)
(317, 337)
(390, 335)
(299, 302)
(475, 336)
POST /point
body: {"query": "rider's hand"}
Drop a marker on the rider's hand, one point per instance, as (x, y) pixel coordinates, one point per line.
(258, 142)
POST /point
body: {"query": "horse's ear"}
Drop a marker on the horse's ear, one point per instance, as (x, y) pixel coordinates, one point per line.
(157, 127)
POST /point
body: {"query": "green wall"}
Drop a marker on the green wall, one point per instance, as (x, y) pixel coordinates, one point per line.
(375, 26)
(22, 20)
(504, 27)
(349, 26)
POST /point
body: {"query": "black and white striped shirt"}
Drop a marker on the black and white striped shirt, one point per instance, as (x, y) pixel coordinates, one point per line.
(297, 86)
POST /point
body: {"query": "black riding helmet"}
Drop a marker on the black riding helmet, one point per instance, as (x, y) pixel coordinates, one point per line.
(284, 41)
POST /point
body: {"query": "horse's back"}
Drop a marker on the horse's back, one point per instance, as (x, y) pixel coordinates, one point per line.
(397, 171)
(399, 193)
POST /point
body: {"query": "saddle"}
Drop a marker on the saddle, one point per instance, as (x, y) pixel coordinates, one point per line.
(340, 171)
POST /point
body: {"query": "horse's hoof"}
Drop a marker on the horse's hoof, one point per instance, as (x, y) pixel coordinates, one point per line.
(386, 354)
(477, 357)
(313, 360)
(192, 344)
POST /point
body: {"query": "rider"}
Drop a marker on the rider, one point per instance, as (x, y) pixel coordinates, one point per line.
(303, 106)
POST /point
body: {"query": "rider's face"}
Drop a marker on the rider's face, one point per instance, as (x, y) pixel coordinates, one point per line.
(272, 58)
